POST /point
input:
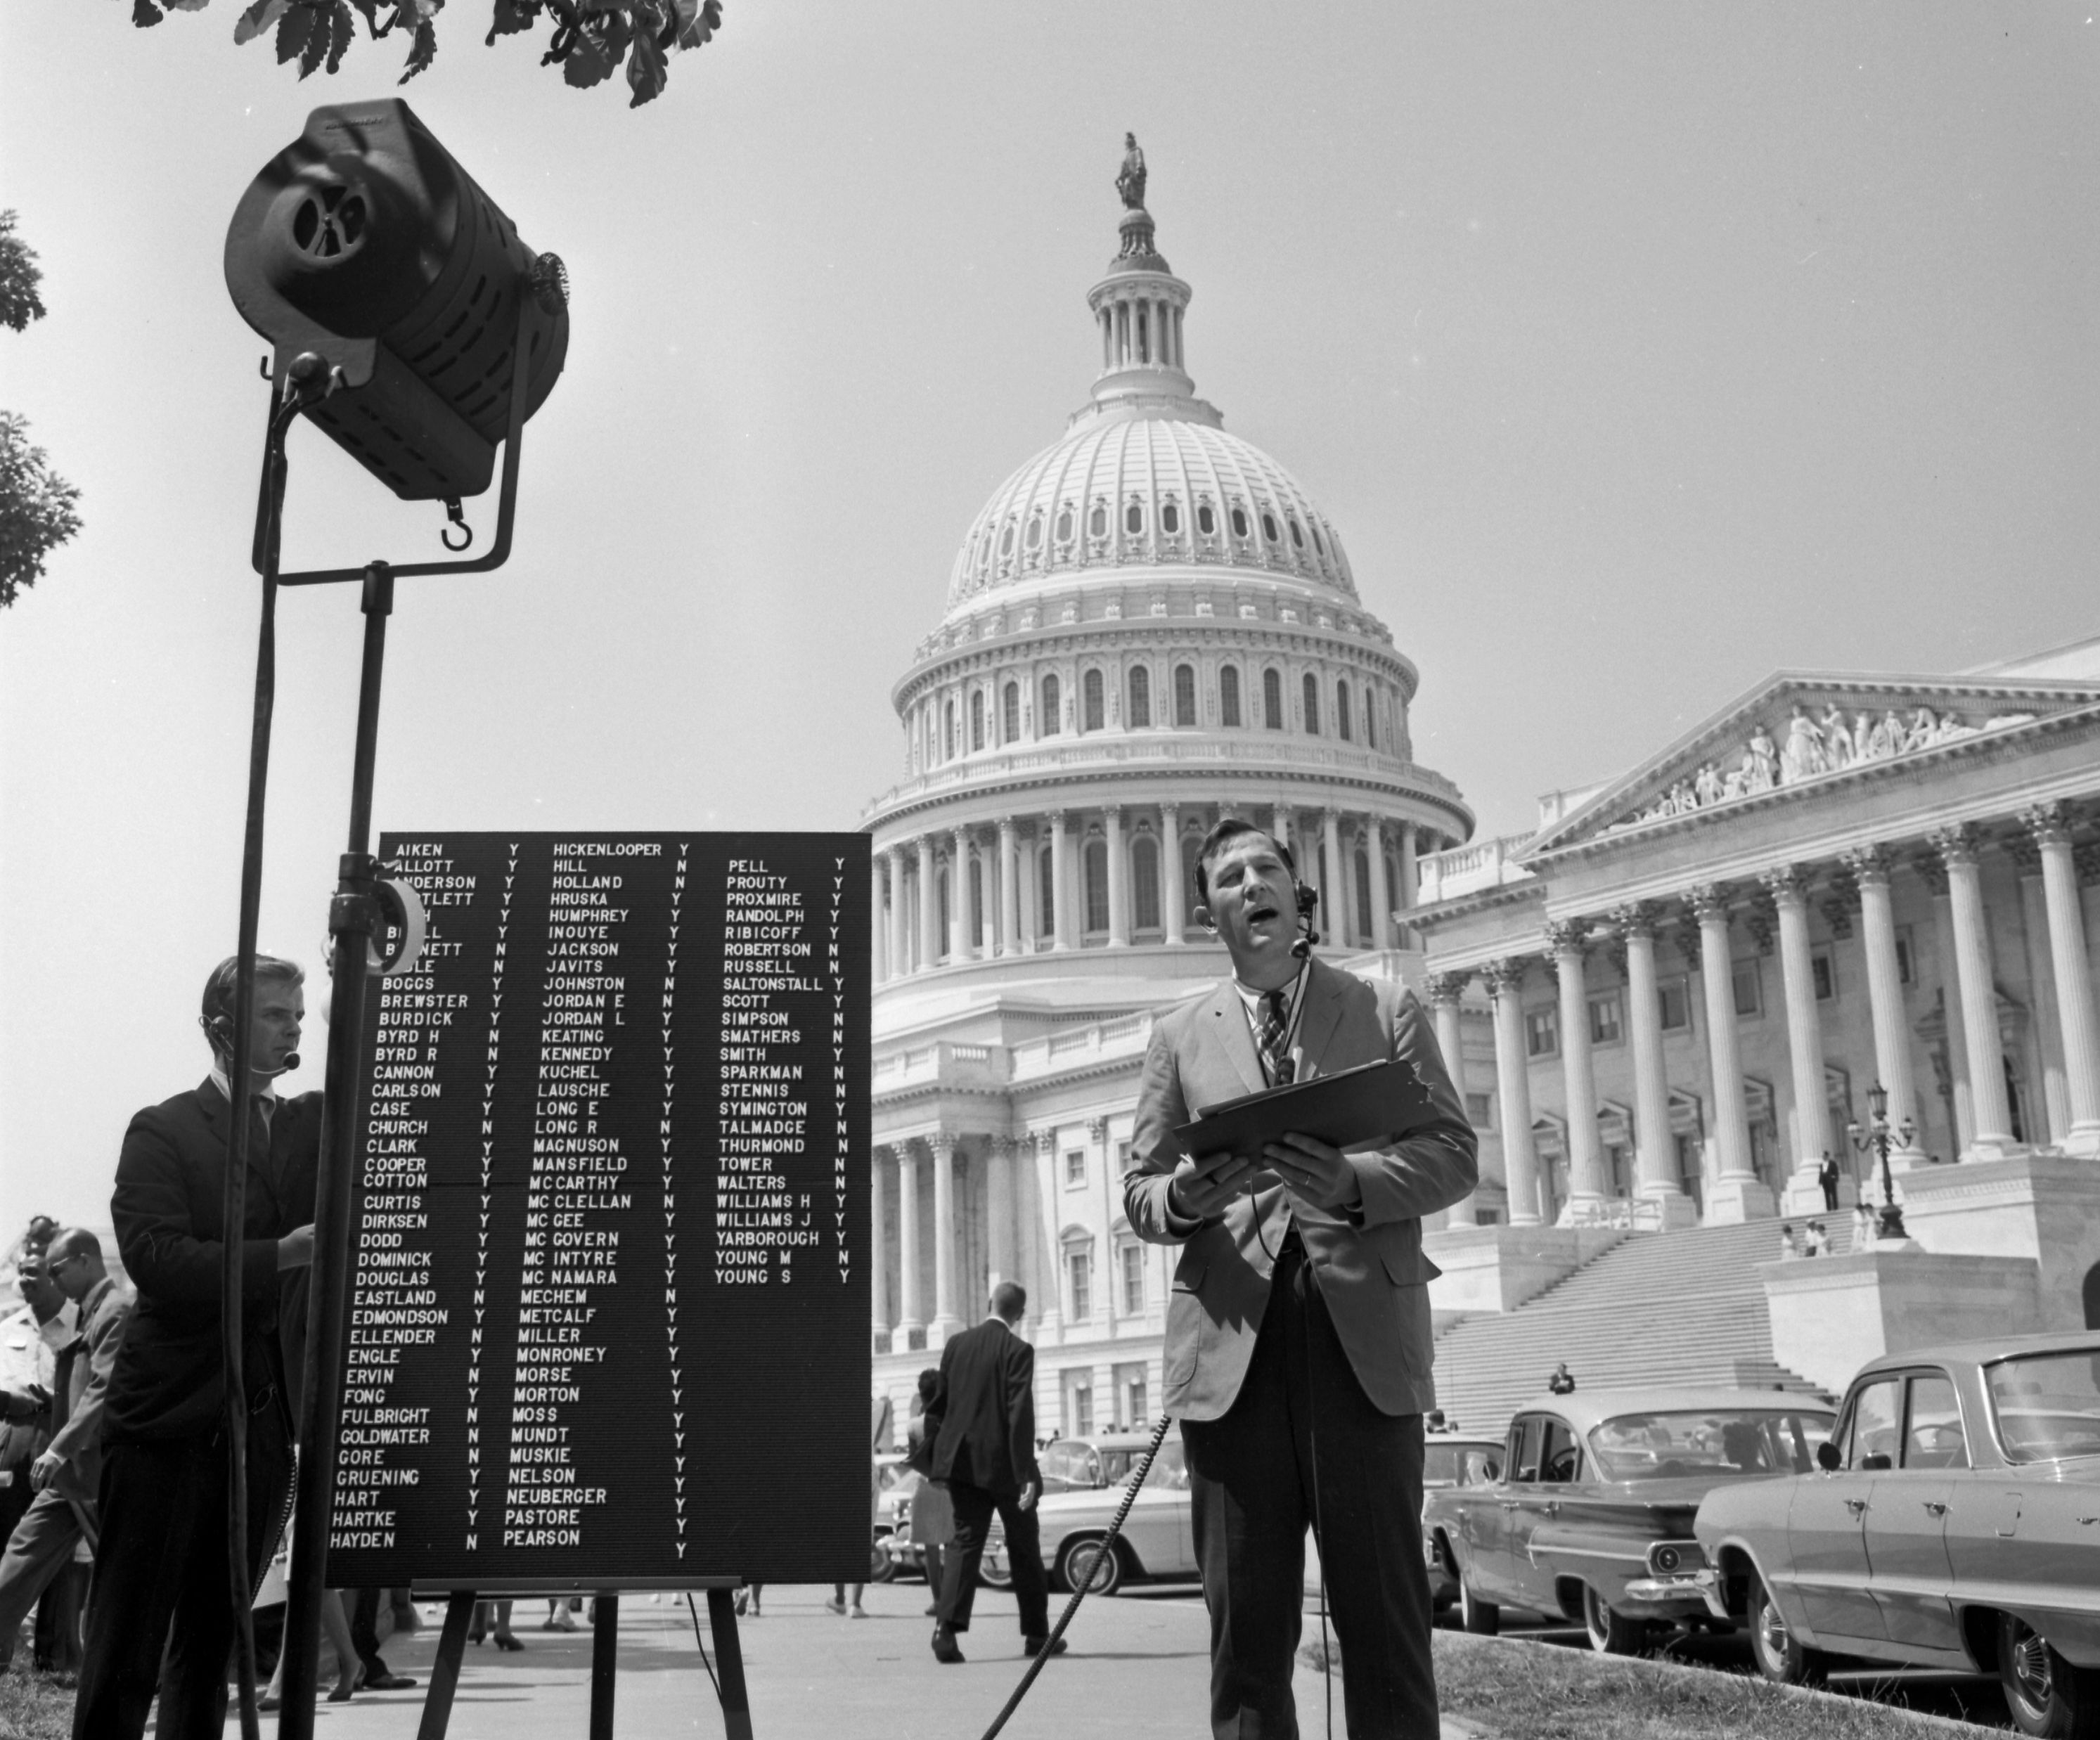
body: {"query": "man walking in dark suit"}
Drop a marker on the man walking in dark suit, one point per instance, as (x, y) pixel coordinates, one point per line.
(160, 1608)
(1298, 1331)
(984, 1452)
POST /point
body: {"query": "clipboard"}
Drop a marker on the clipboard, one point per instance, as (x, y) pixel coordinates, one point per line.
(1372, 1102)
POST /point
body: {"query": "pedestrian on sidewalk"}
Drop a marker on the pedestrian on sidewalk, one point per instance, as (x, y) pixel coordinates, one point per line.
(1827, 1175)
(879, 1430)
(981, 1421)
(933, 1512)
(1562, 1381)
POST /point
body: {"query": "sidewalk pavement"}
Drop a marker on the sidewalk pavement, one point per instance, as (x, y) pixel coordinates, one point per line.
(1138, 1670)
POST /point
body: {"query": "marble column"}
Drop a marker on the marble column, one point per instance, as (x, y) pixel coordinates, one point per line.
(1994, 1139)
(1932, 871)
(1118, 878)
(909, 1320)
(1655, 1148)
(1333, 901)
(1031, 887)
(1009, 888)
(1739, 1194)
(988, 914)
(1281, 833)
(2051, 826)
(878, 1278)
(1410, 879)
(1105, 1271)
(961, 932)
(1871, 868)
(1047, 1291)
(1173, 892)
(1587, 1187)
(1061, 883)
(945, 1323)
(999, 1212)
(1788, 888)
(900, 916)
(1381, 936)
(2053, 1121)
(1504, 980)
(929, 906)
(878, 925)
(1445, 991)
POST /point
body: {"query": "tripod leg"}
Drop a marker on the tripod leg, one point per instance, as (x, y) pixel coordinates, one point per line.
(445, 1671)
(728, 1663)
(605, 1645)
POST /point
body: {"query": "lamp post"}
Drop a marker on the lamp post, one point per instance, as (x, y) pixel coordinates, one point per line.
(1879, 1138)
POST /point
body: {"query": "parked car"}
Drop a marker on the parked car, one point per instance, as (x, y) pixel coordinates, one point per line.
(1953, 1522)
(894, 1485)
(1090, 1466)
(1453, 1458)
(1590, 1512)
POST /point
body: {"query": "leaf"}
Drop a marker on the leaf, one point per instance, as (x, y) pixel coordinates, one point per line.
(291, 32)
(647, 68)
(187, 6)
(511, 16)
(422, 50)
(145, 14)
(344, 33)
(257, 19)
(704, 21)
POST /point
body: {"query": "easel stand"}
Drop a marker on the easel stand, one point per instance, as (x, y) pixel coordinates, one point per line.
(605, 1639)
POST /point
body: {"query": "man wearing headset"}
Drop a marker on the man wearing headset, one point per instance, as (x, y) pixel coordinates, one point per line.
(1298, 1334)
(159, 1611)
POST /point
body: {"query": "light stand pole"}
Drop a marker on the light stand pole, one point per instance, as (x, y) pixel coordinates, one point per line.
(1879, 1138)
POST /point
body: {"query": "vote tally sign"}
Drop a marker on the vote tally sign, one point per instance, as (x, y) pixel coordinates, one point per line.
(608, 1311)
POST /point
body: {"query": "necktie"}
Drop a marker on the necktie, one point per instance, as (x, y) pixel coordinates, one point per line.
(1275, 1029)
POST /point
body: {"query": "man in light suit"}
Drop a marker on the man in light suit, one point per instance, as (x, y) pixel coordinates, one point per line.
(981, 1420)
(1298, 1333)
(65, 1476)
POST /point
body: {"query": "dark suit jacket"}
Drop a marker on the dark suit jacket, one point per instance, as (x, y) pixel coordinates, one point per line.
(1371, 1269)
(985, 1405)
(168, 1207)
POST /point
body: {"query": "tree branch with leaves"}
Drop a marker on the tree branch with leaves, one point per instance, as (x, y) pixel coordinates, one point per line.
(36, 505)
(590, 39)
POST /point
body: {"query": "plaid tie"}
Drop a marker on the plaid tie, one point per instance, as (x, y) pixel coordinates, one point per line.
(1275, 1028)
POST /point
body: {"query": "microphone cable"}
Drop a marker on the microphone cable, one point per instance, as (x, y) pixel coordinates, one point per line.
(1084, 1584)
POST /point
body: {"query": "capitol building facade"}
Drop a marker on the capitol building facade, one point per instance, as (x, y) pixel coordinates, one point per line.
(1149, 626)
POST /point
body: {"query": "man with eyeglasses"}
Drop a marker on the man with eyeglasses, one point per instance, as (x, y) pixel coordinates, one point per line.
(65, 1472)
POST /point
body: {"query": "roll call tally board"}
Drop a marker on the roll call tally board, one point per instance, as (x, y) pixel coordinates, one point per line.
(608, 1320)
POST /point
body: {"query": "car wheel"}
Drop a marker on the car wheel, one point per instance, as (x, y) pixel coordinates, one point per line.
(1482, 1618)
(2046, 1694)
(995, 1570)
(1611, 1632)
(1085, 1565)
(1781, 1657)
(880, 1570)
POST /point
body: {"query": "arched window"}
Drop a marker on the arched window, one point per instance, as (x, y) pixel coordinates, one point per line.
(1140, 696)
(1010, 724)
(1297, 538)
(942, 936)
(1363, 895)
(1097, 522)
(1207, 522)
(1090, 695)
(1239, 521)
(947, 730)
(1133, 519)
(1316, 543)
(1170, 518)
(1095, 859)
(1268, 525)
(977, 720)
(1047, 720)
(1228, 695)
(1271, 700)
(1370, 717)
(1035, 531)
(1184, 695)
(1065, 523)
(1006, 539)
(1312, 704)
(973, 913)
(1046, 887)
(1342, 711)
(1144, 881)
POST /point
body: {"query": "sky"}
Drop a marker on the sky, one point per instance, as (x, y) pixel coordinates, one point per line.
(1637, 351)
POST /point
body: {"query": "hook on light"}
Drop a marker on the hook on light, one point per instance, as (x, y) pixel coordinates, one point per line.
(455, 516)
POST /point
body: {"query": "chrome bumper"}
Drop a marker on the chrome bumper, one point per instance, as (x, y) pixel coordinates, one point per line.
(1691, 1589)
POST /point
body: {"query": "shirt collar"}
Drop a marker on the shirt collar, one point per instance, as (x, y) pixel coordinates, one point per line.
(268, 1092)
(1252, 1000)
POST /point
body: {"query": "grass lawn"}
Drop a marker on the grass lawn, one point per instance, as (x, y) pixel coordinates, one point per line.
(34, 1706)
(1537, 1691)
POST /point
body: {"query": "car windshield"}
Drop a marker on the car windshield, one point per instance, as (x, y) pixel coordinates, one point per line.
(1713, 1444)
(1169, 1473)
(2048, 1406)
(1459, 1465)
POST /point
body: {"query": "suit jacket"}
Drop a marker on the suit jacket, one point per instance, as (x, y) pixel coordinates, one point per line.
(1370, 1264)
(982, 1413)
(169, 1210)
(84, 1370)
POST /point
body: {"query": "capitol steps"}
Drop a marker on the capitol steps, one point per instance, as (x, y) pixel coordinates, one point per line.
(1684, 1307)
